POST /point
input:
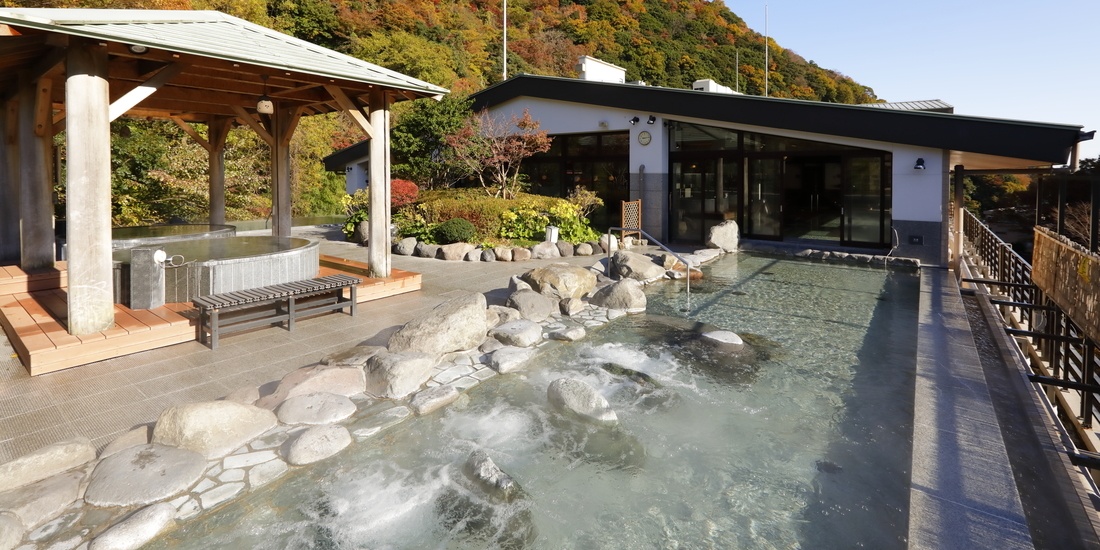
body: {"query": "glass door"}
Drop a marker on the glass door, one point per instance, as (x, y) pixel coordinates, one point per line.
(865, 218)
(691, 181)
(764, 206)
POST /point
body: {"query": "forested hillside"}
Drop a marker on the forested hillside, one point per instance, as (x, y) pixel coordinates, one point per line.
(457, 44)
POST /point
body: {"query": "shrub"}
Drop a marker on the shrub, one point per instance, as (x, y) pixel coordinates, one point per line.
(455, 230)
(353, 221)
(402, 193)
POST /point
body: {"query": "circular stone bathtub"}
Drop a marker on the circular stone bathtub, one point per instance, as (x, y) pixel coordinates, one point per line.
(212, 266)
(154, 235)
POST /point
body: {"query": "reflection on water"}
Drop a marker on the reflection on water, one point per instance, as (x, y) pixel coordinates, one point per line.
(802, 441)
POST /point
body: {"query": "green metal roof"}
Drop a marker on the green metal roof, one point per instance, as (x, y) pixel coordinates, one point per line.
(212, 34)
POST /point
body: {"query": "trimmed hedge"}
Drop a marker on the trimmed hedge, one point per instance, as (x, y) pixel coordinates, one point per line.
(455, 230)
(473, 205)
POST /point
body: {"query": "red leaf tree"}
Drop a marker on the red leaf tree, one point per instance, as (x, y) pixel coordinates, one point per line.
(492, 148)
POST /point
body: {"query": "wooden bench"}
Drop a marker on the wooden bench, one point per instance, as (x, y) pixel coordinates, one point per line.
(269, 305)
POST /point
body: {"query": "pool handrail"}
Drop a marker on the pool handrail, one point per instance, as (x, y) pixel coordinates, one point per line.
(687, 265)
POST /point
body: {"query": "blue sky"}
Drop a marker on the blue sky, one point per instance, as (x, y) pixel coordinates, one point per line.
(1026, 60)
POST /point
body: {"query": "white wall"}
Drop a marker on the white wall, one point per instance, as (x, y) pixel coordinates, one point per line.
(356, 175)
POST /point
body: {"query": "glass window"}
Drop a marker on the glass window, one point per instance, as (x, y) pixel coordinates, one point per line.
(762, 143)
(692, 137)
(582, 146)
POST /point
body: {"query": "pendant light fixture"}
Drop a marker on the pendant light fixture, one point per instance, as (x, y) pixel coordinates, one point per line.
(265, 106)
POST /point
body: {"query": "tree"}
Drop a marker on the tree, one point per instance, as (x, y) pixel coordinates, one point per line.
(491, 149)
(418, 141)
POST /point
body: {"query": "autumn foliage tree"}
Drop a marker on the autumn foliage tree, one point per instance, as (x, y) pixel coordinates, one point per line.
(491, 148)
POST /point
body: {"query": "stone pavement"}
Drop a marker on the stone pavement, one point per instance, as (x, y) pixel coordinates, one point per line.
(105, 399)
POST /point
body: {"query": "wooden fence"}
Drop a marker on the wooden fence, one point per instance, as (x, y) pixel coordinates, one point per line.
(1070, 276)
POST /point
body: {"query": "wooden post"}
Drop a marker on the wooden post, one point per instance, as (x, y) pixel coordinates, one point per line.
(283, 123)
(35, 142)
(218, 130)
(960, 208)
(9, 184)
(378, 253)
(88, 189)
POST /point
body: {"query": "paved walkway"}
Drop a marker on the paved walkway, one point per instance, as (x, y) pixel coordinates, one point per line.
(103, 400)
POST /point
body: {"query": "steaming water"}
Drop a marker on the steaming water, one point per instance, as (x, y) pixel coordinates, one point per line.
(802, 444)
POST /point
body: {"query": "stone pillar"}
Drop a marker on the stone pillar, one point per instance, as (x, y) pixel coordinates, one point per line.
(378, 254)
(9, 185)
(281, 200)
(88, 189)
(218, 130)
(35, 175)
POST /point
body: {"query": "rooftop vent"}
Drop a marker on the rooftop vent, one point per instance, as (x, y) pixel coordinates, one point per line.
(711, 86)
(595, 70)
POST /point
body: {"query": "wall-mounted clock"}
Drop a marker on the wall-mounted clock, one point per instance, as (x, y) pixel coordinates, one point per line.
(644, 138)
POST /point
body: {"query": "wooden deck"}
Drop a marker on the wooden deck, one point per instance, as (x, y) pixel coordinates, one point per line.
(34, 312)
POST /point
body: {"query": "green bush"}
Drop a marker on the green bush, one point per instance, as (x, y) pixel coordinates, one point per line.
(455, 230)
(353, 221)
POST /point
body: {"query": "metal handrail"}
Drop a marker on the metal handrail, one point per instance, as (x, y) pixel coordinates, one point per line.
(687, 265)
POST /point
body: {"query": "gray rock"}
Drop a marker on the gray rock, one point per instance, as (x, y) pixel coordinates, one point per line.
(61, 524)
(545, 251)
(663, 259)
(45, 462)
(488, 255)
(565, 249)
(11, 531)
(247, 395)
(860, 258)
(568, 334)
(375, 424)
(136, 436)
(516, 282)
(626, 295)
(571, 306)
(630, 265)
(352, 357)
(251, 459)
(482, 470)
(405, 247)
(265, 472)
(578, 398)
(454, 252)
(560, 281)
(220, 494)
(510, 359)
(724, 236)
(521, 333)
(431, 399)
(44, 500)
(520, 254)
(490, 345)
(503, 254)
(133, 532)
(531, 305)
(473, 256)
(605, 239)
(212, 428)
(491, 318)
(143, 474)
(425, 250)
(315, 408)
(596, 248)
(455, 325)
(341, 380)
(724, 340)
(396, 375)
(318, 443)
(583, 249)
(707, 254)
(362, 232)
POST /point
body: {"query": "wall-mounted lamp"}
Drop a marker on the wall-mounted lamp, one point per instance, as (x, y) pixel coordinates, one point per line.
(919, 165)
(264, 106)
(652, 120)
(138, 49)
(603, 124)
(634, 121)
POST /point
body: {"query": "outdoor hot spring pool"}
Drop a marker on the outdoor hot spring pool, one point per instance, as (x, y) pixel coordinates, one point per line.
(806, 444)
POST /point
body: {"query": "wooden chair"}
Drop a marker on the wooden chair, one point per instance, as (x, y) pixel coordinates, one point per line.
(632, 218)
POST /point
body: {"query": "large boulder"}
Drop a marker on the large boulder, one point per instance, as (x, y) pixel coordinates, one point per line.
(11, 531)
(564, 248)
(626, 295)
(315, 409)
(352, 357)
(473, 256)
(583, 249)
(482, 470)
(502, 254)
(143, 475)
(211, 428)
(510, 359)
(42, 501)
(405, 247)
(431, 399)
(454, 252)
(516, 282)
(631, 265)
(488, 255)
(45, 462)
(520, 254)
(544, 251)
(531, 305)
(503, 315)
(581, 400)
(608, 243)
(520, 333)
(133, 532)
(318, 443)
(571, 334)
(571, 306)
(136, 436)
(723, 340)
(340, 380)
(455, 325)
(425, 250)
(724, 236)
(396, 375)
(560, 281)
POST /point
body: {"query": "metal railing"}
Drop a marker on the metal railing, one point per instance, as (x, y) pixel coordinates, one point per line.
(1062, 356)
(687, 265)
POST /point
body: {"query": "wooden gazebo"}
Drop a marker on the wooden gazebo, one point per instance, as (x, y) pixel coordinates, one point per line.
(77, 70)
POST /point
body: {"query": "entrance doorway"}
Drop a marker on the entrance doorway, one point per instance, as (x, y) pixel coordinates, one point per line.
(813, 198)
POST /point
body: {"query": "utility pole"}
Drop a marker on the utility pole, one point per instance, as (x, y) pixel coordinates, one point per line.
(505, 53)
(765, 49)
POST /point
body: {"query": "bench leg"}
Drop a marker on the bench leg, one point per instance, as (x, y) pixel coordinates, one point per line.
(214, 329)
(353, 300)
(290, 312)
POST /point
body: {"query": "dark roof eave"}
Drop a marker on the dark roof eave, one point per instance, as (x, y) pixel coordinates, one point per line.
(340, 159)
(1007, 138)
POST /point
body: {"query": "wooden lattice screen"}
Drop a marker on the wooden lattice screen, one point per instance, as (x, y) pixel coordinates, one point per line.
(632, 217)
(1069, 276)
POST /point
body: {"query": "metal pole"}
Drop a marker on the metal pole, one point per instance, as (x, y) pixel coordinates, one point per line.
(505, 29)
(765, 49)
